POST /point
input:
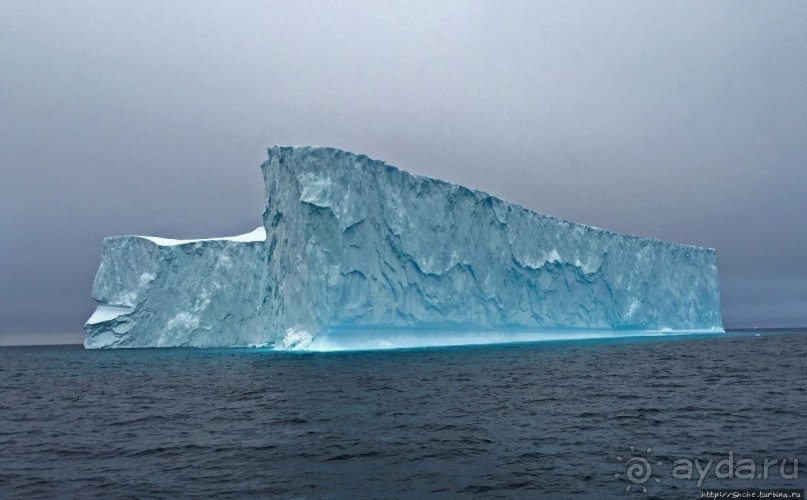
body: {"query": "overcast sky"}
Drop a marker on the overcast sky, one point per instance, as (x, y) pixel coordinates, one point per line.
(685, 121)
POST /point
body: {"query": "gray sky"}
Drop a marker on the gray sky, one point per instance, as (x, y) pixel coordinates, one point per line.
(685, 121)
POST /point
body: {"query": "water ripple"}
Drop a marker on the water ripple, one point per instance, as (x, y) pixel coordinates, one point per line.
(544, 420)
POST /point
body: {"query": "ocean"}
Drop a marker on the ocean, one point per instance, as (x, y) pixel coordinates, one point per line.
(605, 418)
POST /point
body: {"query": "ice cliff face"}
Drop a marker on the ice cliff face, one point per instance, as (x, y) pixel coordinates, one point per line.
(155, 292)
(352, 243)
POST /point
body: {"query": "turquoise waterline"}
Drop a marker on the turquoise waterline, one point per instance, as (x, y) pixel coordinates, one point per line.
(556, 341)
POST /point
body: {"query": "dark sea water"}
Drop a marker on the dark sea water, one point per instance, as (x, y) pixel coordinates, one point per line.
(549, 420)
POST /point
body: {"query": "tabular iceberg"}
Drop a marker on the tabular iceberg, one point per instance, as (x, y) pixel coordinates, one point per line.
(354, 248)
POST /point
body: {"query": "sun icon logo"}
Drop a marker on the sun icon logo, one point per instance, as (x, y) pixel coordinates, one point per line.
(638, 470)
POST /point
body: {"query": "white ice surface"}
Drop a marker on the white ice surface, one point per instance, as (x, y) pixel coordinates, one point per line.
(258, 234)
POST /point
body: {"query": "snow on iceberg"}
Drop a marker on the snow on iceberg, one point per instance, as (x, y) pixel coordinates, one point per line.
(351, 245)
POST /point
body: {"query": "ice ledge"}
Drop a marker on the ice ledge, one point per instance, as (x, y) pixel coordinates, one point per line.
(106, 312)
(367, 339)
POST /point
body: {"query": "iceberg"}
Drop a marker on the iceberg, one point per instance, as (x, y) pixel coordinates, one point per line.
(356, 253)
